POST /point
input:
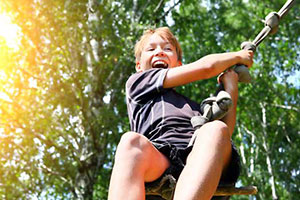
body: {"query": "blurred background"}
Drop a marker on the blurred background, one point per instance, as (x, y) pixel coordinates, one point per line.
(63, 68)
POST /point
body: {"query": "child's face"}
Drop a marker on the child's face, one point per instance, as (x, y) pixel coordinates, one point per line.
(157, 53)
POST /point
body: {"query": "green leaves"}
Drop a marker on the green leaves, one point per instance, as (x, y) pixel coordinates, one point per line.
(64, 106)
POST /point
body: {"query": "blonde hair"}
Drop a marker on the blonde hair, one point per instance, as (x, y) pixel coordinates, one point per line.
(163, 32)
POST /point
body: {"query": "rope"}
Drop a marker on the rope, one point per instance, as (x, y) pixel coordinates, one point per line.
(286, 7)
(271, 27)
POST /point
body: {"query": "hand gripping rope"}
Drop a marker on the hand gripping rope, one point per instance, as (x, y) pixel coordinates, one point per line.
(214, 108)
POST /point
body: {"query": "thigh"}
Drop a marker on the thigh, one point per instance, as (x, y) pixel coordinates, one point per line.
(156, 162)
(213, 140)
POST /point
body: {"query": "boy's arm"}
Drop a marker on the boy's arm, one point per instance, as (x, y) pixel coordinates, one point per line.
(206, 67)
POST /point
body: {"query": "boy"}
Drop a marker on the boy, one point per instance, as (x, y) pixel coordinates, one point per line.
(161, 128)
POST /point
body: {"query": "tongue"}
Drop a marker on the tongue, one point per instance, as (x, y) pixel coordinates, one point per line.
(160, 65)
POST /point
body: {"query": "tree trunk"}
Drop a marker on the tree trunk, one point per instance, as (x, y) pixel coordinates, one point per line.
(266, 148)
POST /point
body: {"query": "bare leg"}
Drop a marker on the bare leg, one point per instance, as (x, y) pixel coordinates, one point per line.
(231, 86)
(137, 161)
(210, 155)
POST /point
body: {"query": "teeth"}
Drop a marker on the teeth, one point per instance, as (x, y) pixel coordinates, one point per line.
(160, 64)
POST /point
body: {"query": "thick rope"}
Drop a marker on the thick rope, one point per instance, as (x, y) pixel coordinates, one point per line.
(271, 26)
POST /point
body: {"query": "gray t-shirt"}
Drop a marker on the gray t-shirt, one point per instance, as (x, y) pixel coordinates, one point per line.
(162, 115)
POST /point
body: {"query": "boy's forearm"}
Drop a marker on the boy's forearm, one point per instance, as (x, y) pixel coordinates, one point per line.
(217, 63)
(204, 68)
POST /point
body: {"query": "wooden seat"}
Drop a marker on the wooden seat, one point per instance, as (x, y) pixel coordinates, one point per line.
(165, 186)
(231, 190)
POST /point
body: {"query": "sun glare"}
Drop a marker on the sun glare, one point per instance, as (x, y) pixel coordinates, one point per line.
(9, 31)
(9, 43)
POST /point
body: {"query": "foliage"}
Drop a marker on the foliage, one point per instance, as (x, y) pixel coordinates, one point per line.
(62, 102)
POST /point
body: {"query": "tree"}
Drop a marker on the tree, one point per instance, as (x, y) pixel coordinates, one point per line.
(65, 109)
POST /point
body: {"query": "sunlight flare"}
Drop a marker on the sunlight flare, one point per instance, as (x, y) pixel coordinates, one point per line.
(9, 44)
(9, 32)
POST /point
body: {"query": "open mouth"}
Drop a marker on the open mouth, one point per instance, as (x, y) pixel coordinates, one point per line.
(160, 64)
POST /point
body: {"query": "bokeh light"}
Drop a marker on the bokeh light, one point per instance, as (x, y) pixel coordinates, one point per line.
(9, 32)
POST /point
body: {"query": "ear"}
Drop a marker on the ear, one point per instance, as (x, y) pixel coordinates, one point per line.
(179, 63)
(138, 66)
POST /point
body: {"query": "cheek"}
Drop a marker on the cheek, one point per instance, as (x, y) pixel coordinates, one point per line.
(146, 58)
(174, 57)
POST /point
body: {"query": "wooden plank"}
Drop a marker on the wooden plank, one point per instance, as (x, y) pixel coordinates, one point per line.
(165, 187)
(222, 191)
(228, 191)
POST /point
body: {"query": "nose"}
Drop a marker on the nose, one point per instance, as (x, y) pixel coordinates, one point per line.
(159, 52)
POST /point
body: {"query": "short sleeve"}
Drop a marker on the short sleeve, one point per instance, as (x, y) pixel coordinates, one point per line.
(144, 86)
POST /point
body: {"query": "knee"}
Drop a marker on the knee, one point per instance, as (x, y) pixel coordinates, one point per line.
(132, 146)
(215, 136)
(131, 140)
(215, 132)
(218, 129)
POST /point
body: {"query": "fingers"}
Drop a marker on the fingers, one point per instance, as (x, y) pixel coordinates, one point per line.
(247, 58)
(251, 54)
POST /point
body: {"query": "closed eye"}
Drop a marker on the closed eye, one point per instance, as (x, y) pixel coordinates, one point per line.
(150, 49)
